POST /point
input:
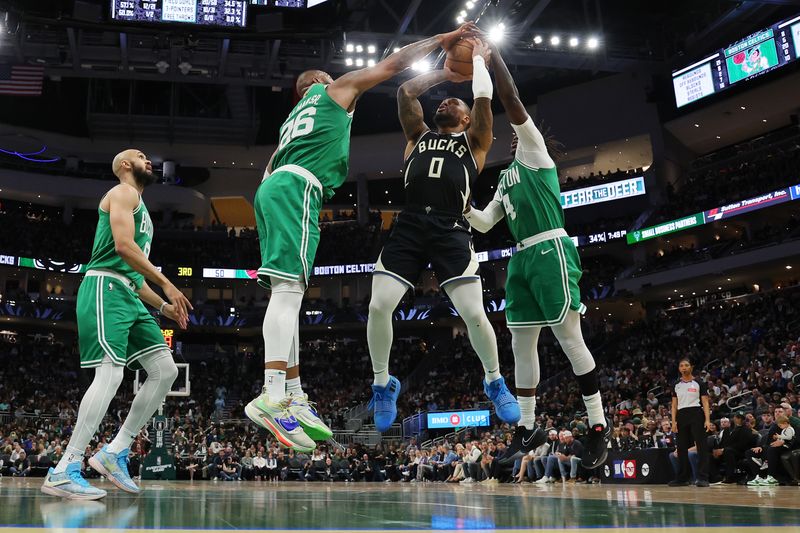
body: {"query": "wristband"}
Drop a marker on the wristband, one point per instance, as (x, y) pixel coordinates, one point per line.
(161, 309)
(481, 81)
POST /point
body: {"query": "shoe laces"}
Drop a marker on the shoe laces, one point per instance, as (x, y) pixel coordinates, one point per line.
(122, 463)
(76, 477)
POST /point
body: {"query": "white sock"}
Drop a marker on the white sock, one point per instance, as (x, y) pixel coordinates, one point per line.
(72, 455)
(294, 387)
(527, 408)
(594, 408)
(386, 294)
(381, 379)
(492, 375)
(276, 384)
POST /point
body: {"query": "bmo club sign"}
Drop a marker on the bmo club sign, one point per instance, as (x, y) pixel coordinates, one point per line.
(458, 419)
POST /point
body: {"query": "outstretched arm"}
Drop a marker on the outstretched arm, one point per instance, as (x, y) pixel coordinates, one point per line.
(481, 119)
(485, 220)
(531, 148)
(346, 90)
(507, 90)
(409, 110)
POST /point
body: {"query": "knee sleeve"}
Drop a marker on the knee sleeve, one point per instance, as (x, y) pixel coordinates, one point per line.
(571, 339)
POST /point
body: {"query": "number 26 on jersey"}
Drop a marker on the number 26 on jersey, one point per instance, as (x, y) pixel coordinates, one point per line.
(301, 124)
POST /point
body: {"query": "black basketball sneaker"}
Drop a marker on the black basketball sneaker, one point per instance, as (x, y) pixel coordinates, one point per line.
(523, 442)
(596, 450)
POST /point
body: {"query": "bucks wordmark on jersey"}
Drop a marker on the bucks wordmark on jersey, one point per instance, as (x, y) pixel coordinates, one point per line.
(439, 172)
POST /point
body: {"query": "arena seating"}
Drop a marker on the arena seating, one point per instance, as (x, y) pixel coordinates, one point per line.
(745, 345)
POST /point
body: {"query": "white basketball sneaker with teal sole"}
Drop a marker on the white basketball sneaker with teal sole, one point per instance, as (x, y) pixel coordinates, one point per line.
(114, 466)
(70, 484)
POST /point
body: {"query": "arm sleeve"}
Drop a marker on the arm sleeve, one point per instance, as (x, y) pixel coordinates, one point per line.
(531, 148)
(481, 81)
(485, 220)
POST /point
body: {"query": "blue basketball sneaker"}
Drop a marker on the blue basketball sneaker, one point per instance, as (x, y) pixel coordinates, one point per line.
(114, 466)
(70, 484)
(505, 405)
(384, 403)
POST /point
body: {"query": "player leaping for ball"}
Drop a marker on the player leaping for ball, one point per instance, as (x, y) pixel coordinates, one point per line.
(115, 330)
(542, 283)
(309, 164)
(440, 167)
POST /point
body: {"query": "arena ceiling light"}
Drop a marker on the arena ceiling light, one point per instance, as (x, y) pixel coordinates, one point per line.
(538, 39)
(555, 40)
(497, 33)
(574, 41)
(359, 54)
(462, 15)
(423, 65)
(592, 43)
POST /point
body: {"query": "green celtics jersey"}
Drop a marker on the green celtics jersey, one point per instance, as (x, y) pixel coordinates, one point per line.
(104, 254)
(316, 136)
(531, 198)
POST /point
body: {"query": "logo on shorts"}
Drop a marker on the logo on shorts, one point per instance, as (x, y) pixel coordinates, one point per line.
(545, 252)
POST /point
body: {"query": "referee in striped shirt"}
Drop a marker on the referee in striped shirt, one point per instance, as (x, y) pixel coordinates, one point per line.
(692, 419)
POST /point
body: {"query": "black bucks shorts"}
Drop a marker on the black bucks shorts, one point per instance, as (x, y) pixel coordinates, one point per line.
(419, 239)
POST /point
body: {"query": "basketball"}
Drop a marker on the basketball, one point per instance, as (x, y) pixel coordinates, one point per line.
(459, 58)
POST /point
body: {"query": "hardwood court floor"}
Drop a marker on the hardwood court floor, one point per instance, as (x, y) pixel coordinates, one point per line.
(216, 506)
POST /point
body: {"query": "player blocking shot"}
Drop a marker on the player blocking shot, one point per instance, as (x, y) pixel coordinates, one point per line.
(542, 282)
(309, 164)
(440, 166)
(116, 330)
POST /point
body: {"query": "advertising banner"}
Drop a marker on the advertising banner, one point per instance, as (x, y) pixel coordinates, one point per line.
(458, 419)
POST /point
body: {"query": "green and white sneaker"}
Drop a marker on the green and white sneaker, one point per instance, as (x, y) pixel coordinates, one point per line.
(275, 418)
(770, 481)
(306, 413)
(114, 466)
(70, 484)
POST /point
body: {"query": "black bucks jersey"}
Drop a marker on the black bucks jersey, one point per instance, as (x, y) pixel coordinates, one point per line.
(432, 230)
(439, 173)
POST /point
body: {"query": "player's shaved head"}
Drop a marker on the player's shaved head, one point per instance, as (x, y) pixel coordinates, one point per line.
(133, 162)
(126, 155)
(309, 78)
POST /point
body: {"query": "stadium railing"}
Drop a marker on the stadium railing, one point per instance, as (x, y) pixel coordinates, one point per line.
(740, 403)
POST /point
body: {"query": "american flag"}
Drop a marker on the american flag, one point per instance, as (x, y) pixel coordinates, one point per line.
(21, 80)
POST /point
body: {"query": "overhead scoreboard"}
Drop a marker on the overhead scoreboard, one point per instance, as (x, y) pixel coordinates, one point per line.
(756, 54)
(231, 13)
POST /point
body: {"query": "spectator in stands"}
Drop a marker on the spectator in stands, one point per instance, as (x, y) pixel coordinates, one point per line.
(472, 462)
(570, 458)
(20, 466)
(666, 438)
(259, 466)
(247, 466)
(648, 438)
(731, 445)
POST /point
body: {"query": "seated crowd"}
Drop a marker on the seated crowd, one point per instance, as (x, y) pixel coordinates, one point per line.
(748, 352)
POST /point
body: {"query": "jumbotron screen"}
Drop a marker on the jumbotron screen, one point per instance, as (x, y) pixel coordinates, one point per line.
(202, 12)
(761, 52)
